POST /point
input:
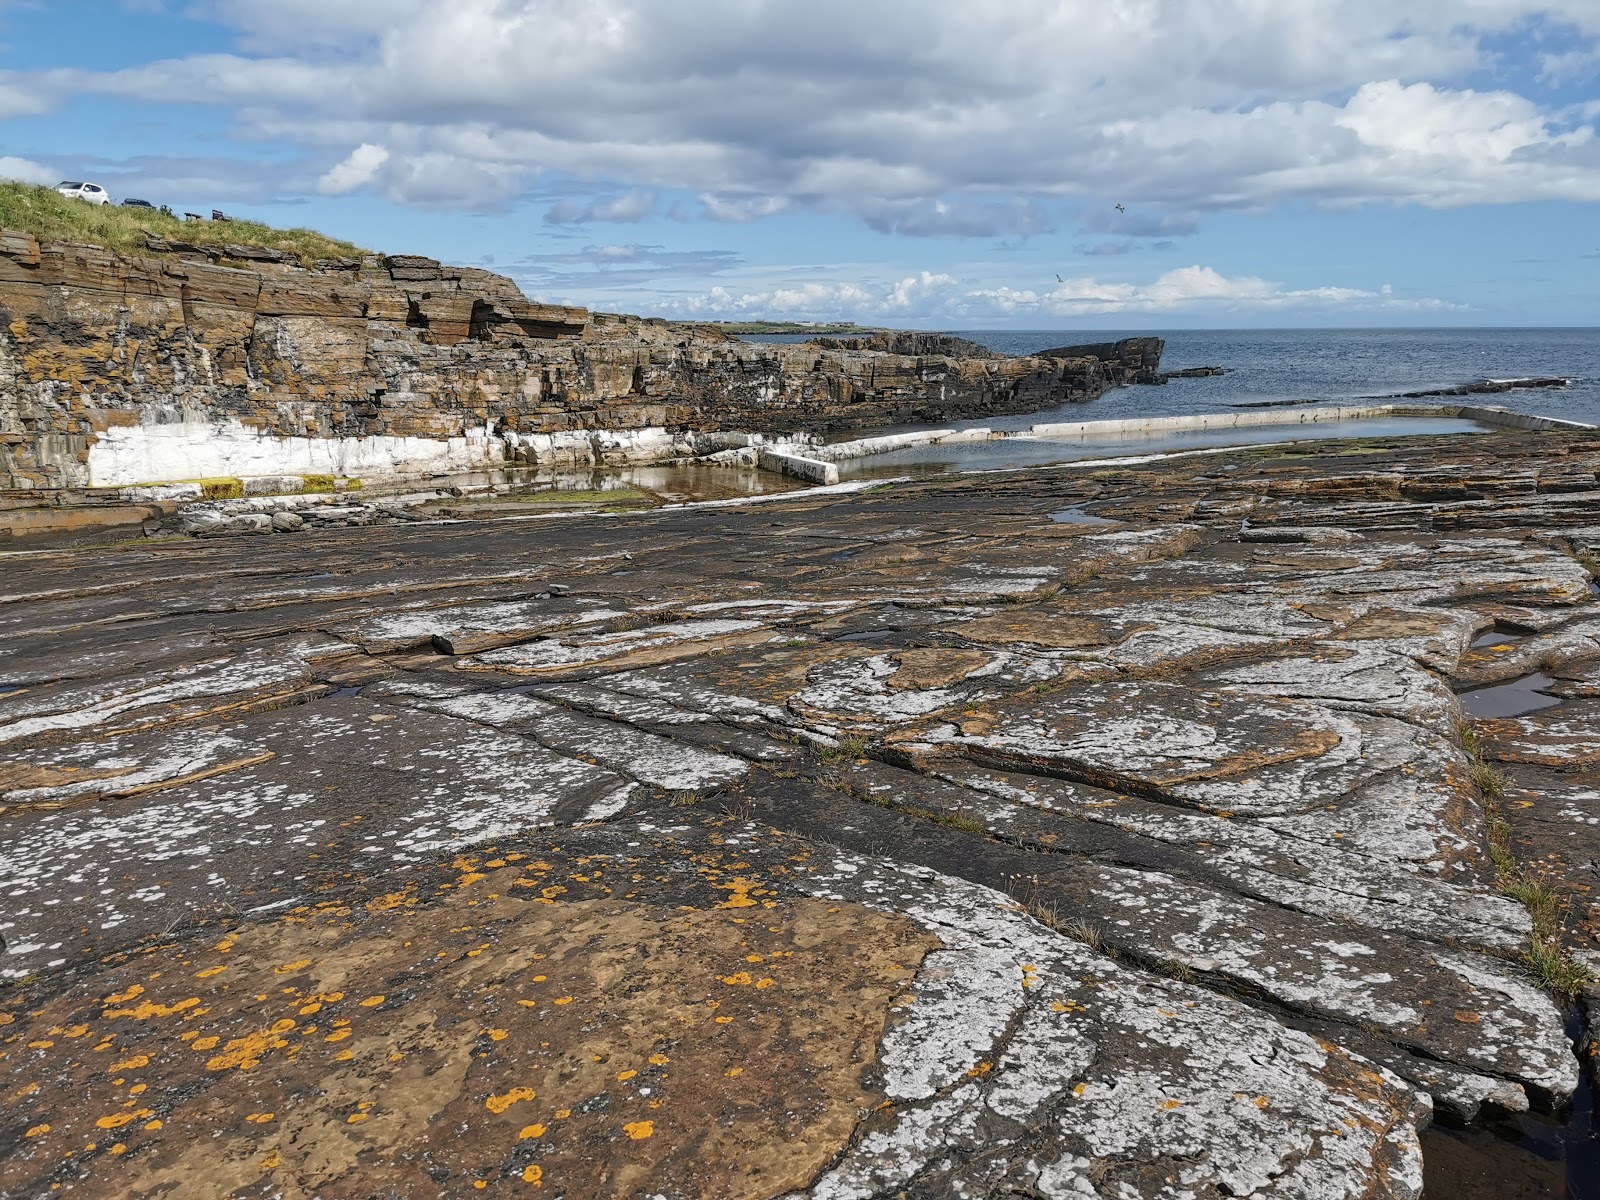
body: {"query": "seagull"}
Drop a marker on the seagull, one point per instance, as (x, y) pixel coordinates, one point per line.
(1059, 279)
(1120, 209)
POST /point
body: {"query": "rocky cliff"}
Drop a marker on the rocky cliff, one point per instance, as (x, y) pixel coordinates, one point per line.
(186, 363)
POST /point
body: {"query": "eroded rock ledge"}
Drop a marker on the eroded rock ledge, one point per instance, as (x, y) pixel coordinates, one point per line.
(904, 843)
(118, 370)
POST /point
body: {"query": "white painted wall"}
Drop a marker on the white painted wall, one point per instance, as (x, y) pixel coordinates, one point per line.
(203, 448)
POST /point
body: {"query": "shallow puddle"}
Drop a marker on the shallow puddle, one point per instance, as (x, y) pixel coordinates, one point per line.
(1515, 699)
(1497, 636)
(1076, 516)
(1026, 451)
(1517, 1157)
(671, 483)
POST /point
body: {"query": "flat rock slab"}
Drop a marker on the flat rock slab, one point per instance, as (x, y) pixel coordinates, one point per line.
(679, 1015)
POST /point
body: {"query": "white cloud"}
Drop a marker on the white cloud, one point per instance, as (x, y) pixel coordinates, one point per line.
(632, 206)
(933, 117)
(937, 296)
(25, 170)
(358, 170)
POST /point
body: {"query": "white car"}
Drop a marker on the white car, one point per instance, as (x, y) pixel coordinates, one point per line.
(92, 192)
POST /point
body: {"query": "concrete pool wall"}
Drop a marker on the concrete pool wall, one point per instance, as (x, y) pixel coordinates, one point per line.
(1285, 418)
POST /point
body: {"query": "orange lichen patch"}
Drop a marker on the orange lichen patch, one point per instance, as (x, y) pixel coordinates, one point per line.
(1169, 1105)
(498, 1104)
(533, 1174)
(639, 1130)
(147, 1009)
(740, 898)
(633, 975)
(245, 1053)
(37, 1130)
(210, 971)
(118, 1120)
(129, 1064)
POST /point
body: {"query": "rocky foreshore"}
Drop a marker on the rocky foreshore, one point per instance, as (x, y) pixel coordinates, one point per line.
(1113, 831)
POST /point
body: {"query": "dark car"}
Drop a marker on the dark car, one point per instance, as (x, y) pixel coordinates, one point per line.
(130, 202)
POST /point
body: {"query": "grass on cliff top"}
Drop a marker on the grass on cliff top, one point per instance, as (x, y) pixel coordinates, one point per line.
(52, 217)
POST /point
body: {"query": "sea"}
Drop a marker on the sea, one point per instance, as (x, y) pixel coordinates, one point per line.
(1329, 366)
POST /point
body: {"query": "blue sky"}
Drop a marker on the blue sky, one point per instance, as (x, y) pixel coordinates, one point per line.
(935, 164)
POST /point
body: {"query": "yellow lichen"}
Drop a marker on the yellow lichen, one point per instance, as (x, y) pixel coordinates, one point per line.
(499, 1104)
(639, 1130)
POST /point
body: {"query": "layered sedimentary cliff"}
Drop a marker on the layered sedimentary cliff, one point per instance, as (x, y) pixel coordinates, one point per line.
(117, 370)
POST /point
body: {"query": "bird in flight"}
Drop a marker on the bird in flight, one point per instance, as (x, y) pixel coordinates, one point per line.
(1120, 209)
(1059, 279)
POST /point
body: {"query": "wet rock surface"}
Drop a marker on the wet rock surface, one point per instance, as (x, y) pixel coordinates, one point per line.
(904, 842)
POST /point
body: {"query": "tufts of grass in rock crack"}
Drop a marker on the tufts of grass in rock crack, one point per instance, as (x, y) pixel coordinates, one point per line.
(1545, 956)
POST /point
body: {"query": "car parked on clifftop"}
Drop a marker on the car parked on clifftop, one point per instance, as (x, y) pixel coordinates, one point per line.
(92, 192)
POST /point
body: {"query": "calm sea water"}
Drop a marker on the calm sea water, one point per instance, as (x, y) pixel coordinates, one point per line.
(1330, 365)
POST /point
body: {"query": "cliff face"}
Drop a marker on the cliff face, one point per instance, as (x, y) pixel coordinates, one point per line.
(116, 370)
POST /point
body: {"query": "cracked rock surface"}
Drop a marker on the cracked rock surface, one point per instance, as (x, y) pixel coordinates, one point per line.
(901, 843)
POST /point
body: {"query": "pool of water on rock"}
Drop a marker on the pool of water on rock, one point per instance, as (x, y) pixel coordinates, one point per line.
(671, 483)
(1011, 453)
(1519, 1157)
(1515, 699)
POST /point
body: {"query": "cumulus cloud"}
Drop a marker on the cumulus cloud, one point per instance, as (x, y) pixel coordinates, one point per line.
(920, 117)
(618, 267)
(633, 206)
(935, 296)
(25, 170)
(358, 170)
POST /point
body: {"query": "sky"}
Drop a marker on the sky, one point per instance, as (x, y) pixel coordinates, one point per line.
(1082, 164)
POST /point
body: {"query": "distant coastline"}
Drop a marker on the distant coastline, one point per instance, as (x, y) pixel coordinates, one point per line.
(812, 328)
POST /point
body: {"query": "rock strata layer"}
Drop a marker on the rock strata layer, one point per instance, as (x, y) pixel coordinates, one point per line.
(901, 843)
(118, 370)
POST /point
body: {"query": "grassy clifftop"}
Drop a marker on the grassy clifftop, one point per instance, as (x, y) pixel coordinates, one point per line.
(51, 217)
